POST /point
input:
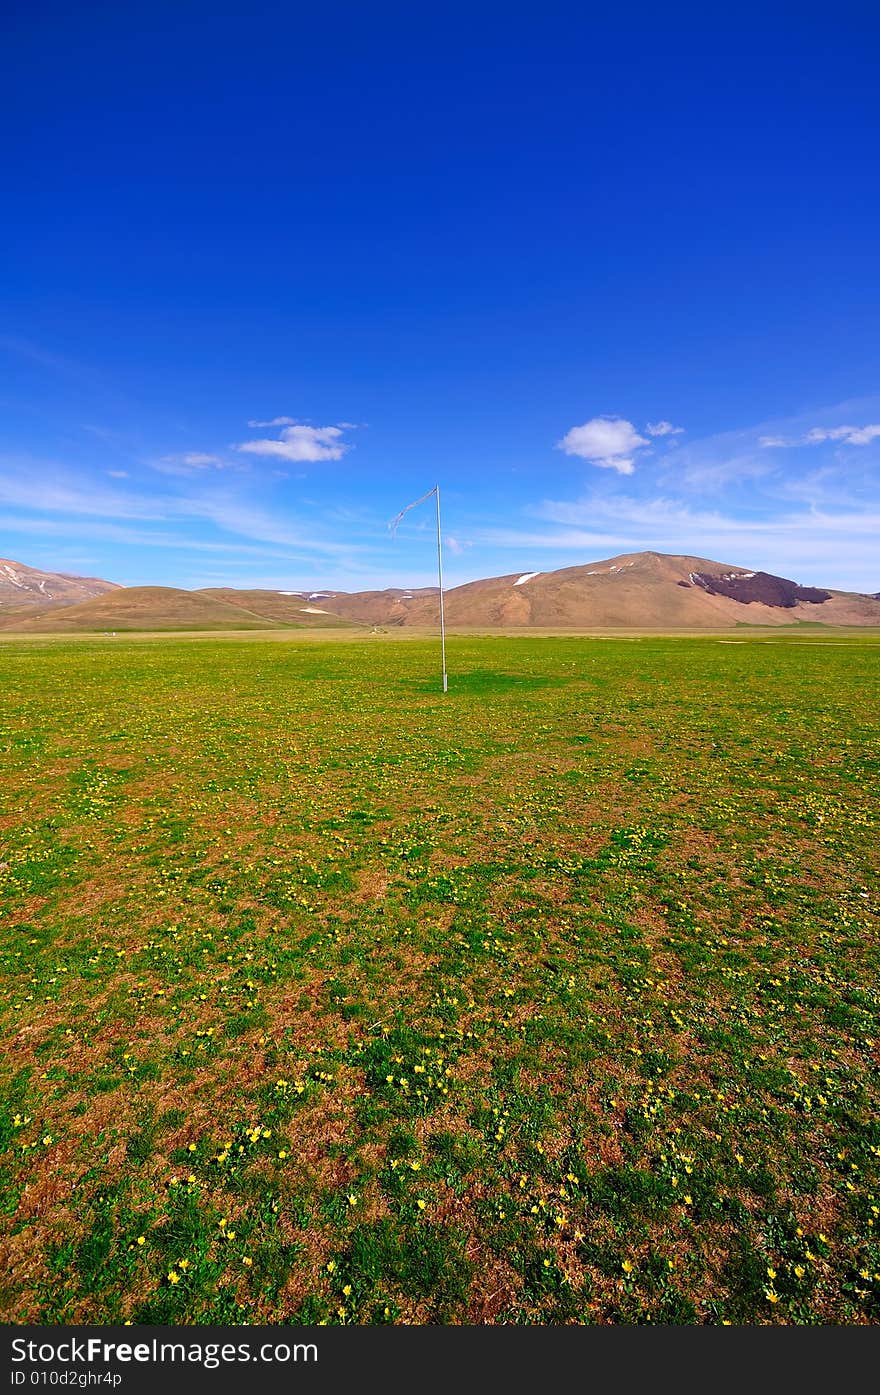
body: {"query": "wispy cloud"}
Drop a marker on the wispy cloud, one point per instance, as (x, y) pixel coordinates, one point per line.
(659, 514)
(39, 490)
(817, 435)
(188, 463)
(239, 517)
(711, 466)
(199, 459)
(457, 546)
(663, 428)
(44, 358)
(102, 531)
(40, 487)
(850, 435)
(589, 544)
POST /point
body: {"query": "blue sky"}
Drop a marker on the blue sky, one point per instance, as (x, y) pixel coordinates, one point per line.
(270, 271)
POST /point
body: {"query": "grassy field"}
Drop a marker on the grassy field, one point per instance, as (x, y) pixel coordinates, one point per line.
(328, 999)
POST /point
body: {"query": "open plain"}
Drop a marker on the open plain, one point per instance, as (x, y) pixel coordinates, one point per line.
(326, 998)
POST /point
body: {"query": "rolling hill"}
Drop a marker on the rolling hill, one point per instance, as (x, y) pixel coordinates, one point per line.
(288, 608)
(393, 606)
(639, 590)
(141, 608)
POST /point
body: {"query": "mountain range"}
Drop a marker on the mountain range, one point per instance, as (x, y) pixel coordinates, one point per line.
(639, 590)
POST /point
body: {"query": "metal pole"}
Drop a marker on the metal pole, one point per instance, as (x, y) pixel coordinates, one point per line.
(440, 576)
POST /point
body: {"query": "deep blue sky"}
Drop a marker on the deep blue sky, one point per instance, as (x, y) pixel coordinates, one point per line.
(453, 238)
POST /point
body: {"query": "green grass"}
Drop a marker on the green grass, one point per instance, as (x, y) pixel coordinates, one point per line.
(326, 998)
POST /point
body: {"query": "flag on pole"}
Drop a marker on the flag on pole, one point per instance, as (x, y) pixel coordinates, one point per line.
(392, 528)
(396, 521)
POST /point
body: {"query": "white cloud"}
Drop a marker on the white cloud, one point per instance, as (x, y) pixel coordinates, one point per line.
(609, 442)
(276, 421)
(663, 428)
(118, 474)
(817, 435)
(455, 545)
(851, 435)
(299, 443)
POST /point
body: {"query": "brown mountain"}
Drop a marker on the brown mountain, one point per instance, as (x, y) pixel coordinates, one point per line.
(22, 588)
(643, 590)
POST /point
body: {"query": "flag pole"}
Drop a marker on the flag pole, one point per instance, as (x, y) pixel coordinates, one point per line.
(440, 578)
(393, 527)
